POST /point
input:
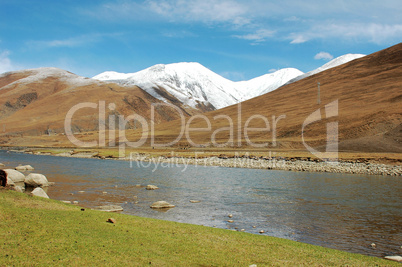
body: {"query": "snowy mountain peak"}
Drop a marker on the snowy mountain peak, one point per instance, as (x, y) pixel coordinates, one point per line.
(193, 84)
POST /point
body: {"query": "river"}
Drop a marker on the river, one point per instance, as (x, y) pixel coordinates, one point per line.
(341, 211)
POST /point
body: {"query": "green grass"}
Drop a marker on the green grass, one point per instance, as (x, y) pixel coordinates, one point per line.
(42, 232)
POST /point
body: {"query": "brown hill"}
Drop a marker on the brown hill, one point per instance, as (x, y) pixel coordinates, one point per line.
(35, 102)
(369, 114)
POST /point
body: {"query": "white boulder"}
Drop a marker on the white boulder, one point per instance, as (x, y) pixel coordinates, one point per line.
(39, 192)
(36, 180)
(15, 176)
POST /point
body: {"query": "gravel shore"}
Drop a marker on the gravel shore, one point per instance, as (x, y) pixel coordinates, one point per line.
(275, 164)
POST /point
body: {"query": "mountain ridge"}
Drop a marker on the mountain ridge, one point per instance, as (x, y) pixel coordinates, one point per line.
(194, 84)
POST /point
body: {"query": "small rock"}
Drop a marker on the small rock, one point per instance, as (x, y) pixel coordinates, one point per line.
(162, 205)
(39, 192)
(109, 208)
(24, 168)
(373, 245)
(261, 231)
(66, 201)
(242, 230)
(151, 187)
(71, 194)
(81, 192)
(253, 265)
(195, 201)
(394, 258)
(82, 209)
(75, 202)
(230, 215)
(230, 221)
(254, 226)
(137, 185)
(111, 220)
(104, 193)
(2, 165)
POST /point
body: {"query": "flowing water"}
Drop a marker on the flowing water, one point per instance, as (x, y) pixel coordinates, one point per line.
(345, 212)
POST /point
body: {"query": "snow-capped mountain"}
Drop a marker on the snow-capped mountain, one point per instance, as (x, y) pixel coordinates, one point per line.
(190, 83)
(331, 64)
(266, 83)
(193, 84)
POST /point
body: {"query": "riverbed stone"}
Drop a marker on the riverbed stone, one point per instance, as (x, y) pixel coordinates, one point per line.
(39, 192)
(24, 168)
(15, 176)
(36, 180)
(151, 187)
(162, 205)
(195, 201)
(2, 165)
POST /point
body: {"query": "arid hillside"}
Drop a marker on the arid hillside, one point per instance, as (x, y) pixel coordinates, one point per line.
(366, 97)
(36, 102)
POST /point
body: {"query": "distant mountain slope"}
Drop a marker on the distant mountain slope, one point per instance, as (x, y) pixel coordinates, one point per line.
(369, 114)
(332, 64)
(36, 102)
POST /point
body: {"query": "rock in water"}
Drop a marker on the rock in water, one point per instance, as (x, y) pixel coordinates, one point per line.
(39, 192)
(36, 180)
(15, 176)
(24, 168)
(151, 187)
(162, 205)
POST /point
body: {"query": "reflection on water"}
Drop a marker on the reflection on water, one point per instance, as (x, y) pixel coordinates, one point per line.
(346, 212)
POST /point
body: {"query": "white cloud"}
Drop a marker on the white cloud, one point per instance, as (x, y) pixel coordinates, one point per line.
(323, 55)
(206, 11)
(298, 39)
(296, 21)
(258, 36)
(363, 32)
(75, 41)
(5, 62)
(272, 70)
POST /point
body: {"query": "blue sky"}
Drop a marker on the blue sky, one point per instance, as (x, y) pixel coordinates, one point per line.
(237, 39)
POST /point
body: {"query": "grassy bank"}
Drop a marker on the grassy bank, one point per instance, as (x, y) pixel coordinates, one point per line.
(36, 231)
